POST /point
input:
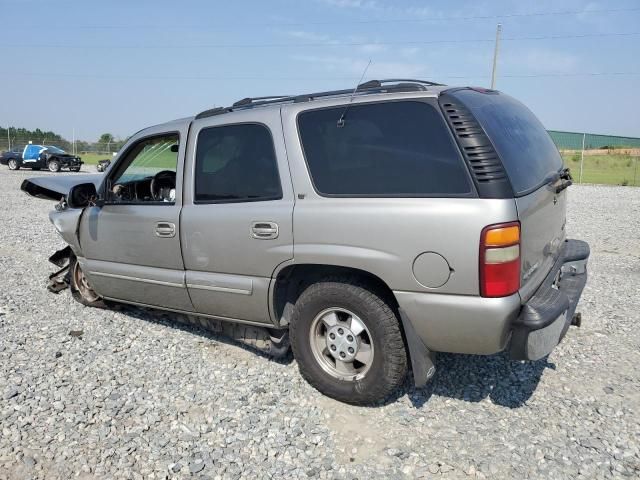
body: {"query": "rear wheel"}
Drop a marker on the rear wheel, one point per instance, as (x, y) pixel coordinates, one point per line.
(13, 164)
(54, 166)
(80, 287)
(347, 341)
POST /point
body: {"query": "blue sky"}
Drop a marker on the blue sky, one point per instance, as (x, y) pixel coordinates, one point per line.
(118, 66)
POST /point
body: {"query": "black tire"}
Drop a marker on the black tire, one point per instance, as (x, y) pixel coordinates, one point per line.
(389, 365)
(13, 164)
(81, 290)
(53, 166)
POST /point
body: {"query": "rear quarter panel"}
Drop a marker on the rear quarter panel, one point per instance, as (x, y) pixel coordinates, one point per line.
(384, 236)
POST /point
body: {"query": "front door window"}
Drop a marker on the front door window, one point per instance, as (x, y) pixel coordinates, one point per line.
(147, 173)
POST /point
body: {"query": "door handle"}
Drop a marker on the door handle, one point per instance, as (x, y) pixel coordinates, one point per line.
(165, 229)
(264, 230)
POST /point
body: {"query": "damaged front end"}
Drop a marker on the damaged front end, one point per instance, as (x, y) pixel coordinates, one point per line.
(65, 220)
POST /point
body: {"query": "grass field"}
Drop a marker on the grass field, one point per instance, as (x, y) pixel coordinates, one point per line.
(613, 169)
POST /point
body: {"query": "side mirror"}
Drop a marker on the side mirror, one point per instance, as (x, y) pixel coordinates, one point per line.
(82, 195)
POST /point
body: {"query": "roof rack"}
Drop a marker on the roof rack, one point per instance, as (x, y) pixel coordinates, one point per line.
(251, 100)
(379, 83)
(369, 87)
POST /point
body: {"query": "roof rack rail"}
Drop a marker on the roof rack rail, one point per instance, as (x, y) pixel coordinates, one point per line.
(213, 111)
(251, 100)
(379, 83)
(371, 86)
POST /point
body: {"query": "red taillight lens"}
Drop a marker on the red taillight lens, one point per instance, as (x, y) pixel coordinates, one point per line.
(500, 260)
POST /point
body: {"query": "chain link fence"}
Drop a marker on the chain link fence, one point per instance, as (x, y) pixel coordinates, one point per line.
(605, 159)
(11, 140)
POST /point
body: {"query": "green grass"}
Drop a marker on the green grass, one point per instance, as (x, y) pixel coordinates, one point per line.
(614, 169)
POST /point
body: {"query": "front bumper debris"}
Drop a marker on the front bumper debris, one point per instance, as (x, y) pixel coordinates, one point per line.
(59, 280)
(546, 317)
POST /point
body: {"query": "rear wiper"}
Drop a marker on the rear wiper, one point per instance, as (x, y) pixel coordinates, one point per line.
(565, 176)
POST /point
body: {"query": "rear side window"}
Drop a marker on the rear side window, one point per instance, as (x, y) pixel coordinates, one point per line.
(382, 149)
(527, 152)
(236, 163)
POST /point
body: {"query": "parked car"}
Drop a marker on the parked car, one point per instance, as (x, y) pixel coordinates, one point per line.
(37, 157)
(368, 228)
(102, 165)
(12, 158)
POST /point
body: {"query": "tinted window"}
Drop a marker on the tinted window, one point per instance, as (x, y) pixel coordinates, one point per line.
(526, 149)
(236, 163)
(391, 148)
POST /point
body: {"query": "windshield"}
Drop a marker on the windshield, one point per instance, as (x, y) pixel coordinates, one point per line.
(53, 149)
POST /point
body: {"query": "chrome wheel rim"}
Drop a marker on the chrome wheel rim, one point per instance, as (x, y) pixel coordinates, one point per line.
(341, 343)
(12, 164)
(53, 167)
(82, 284)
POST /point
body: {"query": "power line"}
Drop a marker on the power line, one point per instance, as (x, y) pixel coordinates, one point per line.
(422, 19)
(345, 77)
(323, 44)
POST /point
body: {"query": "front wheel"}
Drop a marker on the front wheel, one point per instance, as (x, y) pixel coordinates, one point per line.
(80, 287)
(13, 164)
(347, 341)
(54, 166)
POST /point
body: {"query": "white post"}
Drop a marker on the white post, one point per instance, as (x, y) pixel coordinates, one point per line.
(495, 56)
(582, 157)
(73, 141)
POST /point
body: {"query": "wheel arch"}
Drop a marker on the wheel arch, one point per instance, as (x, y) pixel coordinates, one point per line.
(291, 280)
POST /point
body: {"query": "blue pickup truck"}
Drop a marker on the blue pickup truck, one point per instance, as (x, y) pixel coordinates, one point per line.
(37, 157)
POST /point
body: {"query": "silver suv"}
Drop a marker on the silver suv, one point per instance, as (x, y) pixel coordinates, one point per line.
(367, 229)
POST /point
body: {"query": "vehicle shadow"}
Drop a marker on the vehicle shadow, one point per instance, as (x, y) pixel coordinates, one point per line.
(472, 378)
(181, 322)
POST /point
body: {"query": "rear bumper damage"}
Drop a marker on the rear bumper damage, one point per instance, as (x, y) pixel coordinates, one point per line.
(546, 317)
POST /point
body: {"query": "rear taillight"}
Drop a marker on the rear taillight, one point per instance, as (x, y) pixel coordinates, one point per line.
(500, 260)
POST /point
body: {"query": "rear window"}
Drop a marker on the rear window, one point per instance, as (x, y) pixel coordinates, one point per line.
(527, 152)
(383, 149)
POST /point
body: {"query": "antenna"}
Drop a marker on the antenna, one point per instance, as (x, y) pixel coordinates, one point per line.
(344, 112)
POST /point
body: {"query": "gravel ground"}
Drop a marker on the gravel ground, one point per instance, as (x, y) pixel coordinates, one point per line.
(133, 394)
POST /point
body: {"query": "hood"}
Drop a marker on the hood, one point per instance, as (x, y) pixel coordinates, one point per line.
(55, 187)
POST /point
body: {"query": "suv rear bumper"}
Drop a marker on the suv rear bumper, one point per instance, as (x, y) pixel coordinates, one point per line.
(547, 315)
(477, 325)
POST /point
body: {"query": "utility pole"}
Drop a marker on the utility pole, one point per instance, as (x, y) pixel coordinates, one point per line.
(584, 136)
(495, 56)
(9, 137)
(73, 141)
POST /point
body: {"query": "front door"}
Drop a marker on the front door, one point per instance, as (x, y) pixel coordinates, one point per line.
(237, 214)
(132, 243)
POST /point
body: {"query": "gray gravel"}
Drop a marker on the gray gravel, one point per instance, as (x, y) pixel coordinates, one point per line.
(135, 395)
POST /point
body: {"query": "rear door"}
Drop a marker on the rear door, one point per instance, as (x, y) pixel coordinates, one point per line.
(236, 222)
(530, 159)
